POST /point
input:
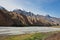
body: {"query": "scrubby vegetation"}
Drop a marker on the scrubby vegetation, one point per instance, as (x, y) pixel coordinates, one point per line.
(33, 36)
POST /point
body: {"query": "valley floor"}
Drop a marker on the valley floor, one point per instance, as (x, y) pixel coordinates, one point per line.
(29, 33)
(33, 36)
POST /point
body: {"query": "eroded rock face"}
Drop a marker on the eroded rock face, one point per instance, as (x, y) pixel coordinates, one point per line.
(4, 18)
(18, 19)
(11, 18)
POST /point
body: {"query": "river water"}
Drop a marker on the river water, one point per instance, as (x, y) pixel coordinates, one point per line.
(24, 30)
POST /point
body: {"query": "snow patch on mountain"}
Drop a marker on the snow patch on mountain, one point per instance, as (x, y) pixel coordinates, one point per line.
(2, 8)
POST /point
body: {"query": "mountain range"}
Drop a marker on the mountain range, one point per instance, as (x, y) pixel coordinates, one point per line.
(19, 17)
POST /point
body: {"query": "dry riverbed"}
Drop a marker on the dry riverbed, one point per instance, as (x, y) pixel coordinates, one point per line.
(25, 30)
(29, 33)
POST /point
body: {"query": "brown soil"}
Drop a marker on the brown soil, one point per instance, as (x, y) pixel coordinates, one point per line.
(55, 36)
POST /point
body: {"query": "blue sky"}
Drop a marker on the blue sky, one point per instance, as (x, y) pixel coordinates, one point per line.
(42, 7)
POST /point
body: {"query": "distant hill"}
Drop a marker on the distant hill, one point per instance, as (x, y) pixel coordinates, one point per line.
(19, 17)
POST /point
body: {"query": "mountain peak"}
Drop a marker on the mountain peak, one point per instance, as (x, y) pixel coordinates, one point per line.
(2, 7)
(48, 16)
(17, 10)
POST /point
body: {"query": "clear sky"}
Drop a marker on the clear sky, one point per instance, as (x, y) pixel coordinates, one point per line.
(42, 7)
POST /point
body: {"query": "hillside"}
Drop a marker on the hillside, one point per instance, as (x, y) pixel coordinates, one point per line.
(22, 18)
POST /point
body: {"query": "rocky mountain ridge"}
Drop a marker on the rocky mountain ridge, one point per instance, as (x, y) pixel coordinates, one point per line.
(22, 18)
